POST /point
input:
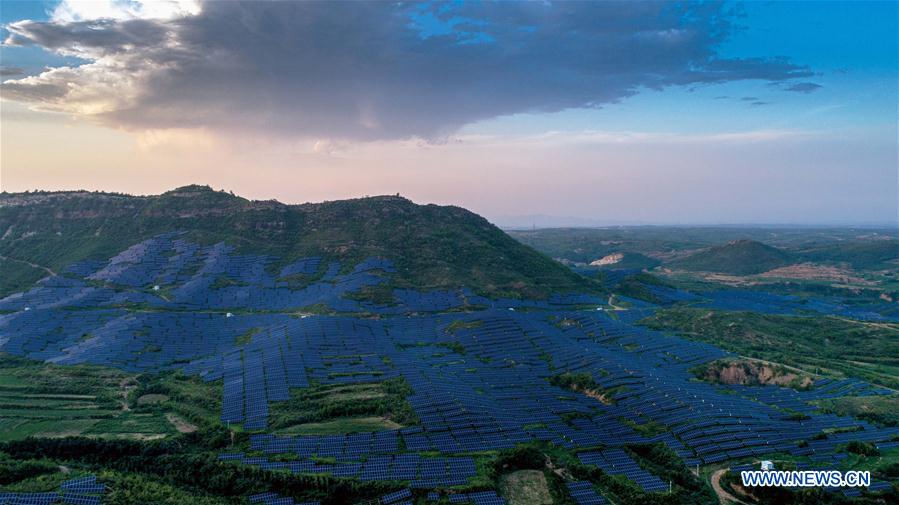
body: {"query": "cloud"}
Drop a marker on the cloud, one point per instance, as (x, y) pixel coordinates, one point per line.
(11, 71)
(80, 10)
(569, 139)
(371, 70)
(803, 87)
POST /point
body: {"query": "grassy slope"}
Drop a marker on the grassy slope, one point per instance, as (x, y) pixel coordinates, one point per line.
(344, 409)
(882, 410)
(432, 246)
(863, 255)
(826, 345)
(16, 276)
(39, 399)
(742, 257)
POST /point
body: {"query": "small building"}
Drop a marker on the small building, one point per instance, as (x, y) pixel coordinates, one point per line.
(767, 465)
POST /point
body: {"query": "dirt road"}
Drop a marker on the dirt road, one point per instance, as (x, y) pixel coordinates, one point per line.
(723, 496)
(33, 265)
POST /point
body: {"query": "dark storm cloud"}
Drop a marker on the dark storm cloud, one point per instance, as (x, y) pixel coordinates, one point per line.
(96, 38)
(11, 71)
(378, 70)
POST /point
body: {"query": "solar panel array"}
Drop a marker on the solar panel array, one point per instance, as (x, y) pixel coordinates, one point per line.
(617, 462)
(271, 498)
(584, 493)
(768, 303)
(477, 498)
(81, 491)
(395, 497)
(480, 380)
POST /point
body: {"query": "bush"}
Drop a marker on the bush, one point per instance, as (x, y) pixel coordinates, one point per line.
(862, 448)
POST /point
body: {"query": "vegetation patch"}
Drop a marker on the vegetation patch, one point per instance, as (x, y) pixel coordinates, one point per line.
(648, 429)
(583, 383)
(224, 281)
(862, 448)
(246, 337)
(44, 400)
(187, 397)
(817, 345)
(343, 425)
(17, 276)
(183, 469)
(327, 408)
(740, 257)
(459, 324)
(378, 294)
(881, 410)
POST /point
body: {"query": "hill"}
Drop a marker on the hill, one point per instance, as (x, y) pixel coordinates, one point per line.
(432, 246)
(740, 257)
(862, 254)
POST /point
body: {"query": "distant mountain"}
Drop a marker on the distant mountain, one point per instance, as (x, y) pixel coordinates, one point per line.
(740, 257)
(543, 221)
(432, 246)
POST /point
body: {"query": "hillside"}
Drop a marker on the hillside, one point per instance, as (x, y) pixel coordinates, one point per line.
(432, 246)
(863, 254)
(740, 257)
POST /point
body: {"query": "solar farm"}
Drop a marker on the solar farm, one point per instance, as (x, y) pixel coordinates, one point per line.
(481, 373)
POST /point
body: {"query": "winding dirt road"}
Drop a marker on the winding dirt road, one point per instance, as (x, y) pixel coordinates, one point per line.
(723, 496)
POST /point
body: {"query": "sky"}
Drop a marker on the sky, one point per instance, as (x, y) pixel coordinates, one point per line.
(552, 113)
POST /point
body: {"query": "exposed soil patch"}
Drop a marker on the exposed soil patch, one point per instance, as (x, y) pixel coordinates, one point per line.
(140, 436)
(598, 395)
(610, 259)
(180, 424)
(723, 496)
(127, 384)
(812, 271)
(526, 487)
(754, 373)
(152, 399)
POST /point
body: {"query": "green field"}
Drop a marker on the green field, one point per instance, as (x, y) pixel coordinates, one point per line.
(817, 345)
(44, 400)
(883, 410)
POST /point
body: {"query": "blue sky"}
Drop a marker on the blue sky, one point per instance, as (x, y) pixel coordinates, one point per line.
(627, 97)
